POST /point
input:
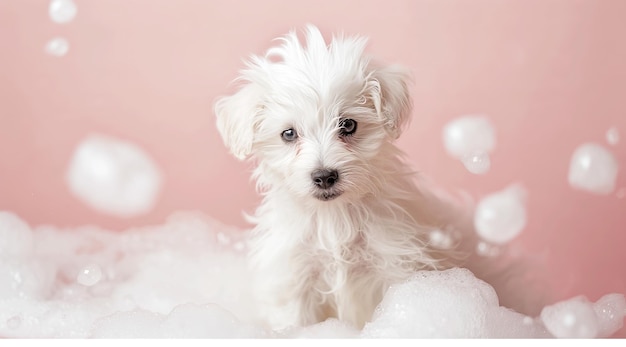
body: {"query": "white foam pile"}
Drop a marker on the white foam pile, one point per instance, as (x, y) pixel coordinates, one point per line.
(88, 282)
(187, 279)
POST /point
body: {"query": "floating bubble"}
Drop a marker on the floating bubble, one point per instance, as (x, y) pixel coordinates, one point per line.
(478, 163)
(468, 136)
(487, 250)
(574, 318)
(62, 11)
(89, 275)
(501, 216)
(593, 169)
(57, 47)
(113, 176)
(441, 239)
(612, 136)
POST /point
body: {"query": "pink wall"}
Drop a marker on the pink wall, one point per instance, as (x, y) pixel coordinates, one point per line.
(549, 74)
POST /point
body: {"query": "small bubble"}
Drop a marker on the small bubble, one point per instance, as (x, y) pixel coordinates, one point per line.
(477, 163)
(612, 136)
(89, 275)
(487, 250)
(440, 239)
(593, 168)
(62, 11)
(14, 322)
(57, 47)
(501, 216)
(469, 134)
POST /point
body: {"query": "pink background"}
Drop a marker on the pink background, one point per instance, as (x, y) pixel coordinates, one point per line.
(549, 74)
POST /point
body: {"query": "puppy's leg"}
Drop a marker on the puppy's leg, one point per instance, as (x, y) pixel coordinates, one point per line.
(299, 310)
(288, 296)
(358, 299)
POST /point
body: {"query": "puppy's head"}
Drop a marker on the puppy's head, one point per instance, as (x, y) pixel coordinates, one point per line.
(315, 116)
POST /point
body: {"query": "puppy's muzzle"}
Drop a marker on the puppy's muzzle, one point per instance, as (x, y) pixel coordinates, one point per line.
(324, 178)
(325, 181)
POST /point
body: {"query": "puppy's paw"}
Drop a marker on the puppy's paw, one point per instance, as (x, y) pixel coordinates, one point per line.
(282, 318)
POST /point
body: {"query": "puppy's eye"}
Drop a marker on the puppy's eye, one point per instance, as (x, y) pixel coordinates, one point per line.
(289, 135)
(347, 127)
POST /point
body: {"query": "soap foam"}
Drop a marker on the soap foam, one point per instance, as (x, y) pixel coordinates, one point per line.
(188, 278)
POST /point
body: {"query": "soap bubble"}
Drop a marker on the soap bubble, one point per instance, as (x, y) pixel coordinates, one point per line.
(477, 163)
(89, 275)
(501, 216)
(62, 11)
(612, 136)
(469, 135)
(57, 46)
(487, 250)
(441, 239)
(593, 169)
(610, 311)
(574, 318)
(114, 176)
(470, 139)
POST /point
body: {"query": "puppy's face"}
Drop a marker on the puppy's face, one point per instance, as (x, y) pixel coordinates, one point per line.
(315, 117)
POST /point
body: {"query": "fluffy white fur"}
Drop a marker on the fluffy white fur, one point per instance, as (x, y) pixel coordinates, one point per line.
(333, 252)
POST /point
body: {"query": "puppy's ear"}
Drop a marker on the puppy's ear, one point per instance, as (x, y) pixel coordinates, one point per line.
(389, 90)
(236, 116)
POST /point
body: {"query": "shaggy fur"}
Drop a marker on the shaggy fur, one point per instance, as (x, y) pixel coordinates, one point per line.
(333, 251)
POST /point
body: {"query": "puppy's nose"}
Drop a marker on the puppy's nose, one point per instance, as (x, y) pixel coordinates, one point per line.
(324, 178)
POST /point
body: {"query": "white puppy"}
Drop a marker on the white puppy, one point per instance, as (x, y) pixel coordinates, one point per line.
(342, 217)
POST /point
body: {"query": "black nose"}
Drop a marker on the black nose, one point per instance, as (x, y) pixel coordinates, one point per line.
(324, 178)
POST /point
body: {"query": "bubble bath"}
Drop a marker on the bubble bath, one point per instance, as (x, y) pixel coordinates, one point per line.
(188, 278)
